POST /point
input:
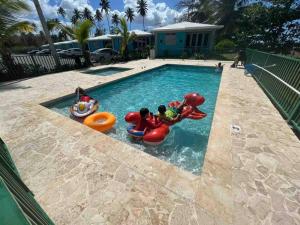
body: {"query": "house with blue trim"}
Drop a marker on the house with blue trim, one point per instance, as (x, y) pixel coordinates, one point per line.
(184, 38)
(142, 40)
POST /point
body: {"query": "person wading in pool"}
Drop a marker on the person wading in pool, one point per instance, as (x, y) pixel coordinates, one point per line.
(145, 122)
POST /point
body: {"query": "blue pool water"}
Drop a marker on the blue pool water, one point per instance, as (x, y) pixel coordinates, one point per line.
(107, 71)
(186, 144)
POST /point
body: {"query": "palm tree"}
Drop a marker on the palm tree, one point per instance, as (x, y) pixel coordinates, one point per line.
(115, 19)
(77, 14)
(80, 32)
(10, 26)
(98, 16)
(105, 6)
(142, 8)
(130, 15)
(61, 12)
(221, 12)
(52, 24)
(126, 38)
(87, 14)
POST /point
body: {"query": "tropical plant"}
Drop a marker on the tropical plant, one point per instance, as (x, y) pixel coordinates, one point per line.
(80, 32)
(98, 16)
(105, 6)
(223, 12)
(130, 15)
(87, 14)
(142, 8)
(225, 45)
(126, 37)
(52, 24)
(62, 12)
(77, 14)
(115, 19)
(10, 25)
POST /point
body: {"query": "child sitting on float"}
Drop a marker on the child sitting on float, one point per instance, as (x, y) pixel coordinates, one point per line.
(172, 114)
(144, 123)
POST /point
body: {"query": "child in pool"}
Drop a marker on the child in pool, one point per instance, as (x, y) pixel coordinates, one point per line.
(171, 114)
(219, 67)
(145, 123)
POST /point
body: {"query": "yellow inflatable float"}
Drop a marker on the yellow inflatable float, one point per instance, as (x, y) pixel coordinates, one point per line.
(102, 121)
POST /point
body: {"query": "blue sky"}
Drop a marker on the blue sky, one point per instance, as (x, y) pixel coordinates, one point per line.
(160, 12)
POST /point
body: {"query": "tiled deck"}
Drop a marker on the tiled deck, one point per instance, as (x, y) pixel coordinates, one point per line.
(81, 176)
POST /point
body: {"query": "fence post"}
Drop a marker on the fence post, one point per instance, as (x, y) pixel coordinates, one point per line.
(294, 112)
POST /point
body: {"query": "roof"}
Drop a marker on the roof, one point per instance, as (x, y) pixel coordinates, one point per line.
(188, 26)
(102, 37)
(62, 42)
(140, 33)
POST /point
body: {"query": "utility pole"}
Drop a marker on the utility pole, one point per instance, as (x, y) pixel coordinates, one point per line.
(47, 33)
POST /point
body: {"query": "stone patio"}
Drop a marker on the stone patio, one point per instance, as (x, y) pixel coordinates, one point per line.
(81, 176)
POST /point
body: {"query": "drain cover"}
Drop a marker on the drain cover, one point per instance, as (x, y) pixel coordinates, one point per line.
(235, 129)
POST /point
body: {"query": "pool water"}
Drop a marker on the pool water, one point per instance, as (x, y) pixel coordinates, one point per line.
(186, 143)
(107, 71)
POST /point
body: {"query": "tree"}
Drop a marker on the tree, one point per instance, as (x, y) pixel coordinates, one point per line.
(142, 8)
(61, 12)
(87, 14)
(126, 38)
(115, 19)
(51, 25)
(77, 14)
(130, 15)
(105, 6)
(80, 32)
(10, 25)
(221, 12)
(270, 25)
(98, 18)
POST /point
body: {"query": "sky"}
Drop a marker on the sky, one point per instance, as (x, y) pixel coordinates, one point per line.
(160, 12)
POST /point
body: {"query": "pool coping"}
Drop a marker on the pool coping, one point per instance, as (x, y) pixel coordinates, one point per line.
(215, 171)
(208, 191)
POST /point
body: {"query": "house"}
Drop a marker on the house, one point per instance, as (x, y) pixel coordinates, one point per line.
(103, 41)
(142, 40)
(178, 39)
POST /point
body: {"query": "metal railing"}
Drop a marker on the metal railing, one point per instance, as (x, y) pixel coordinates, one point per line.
(10, 178)
(279, 76)
(23, 66)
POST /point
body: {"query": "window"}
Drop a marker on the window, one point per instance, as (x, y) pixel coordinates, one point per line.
(187, 41)
(205, 42)
(194, 37)
(170, 39)
(199, 40)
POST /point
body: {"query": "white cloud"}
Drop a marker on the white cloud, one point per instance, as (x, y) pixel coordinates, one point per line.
(158, 14)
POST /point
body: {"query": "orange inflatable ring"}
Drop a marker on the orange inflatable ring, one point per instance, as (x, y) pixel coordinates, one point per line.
(101, 121)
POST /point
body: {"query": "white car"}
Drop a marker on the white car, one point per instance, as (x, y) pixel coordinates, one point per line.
(103, 54)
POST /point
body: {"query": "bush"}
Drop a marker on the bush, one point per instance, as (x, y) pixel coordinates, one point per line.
(225, 45)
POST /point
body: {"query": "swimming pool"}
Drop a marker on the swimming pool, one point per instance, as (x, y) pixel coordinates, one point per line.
(186, 144)
(107, 71)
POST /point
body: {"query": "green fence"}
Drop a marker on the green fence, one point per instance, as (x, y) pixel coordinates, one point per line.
(18, 206)
(279, 76)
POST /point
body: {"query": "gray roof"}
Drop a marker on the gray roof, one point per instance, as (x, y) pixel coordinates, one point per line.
(188, 26)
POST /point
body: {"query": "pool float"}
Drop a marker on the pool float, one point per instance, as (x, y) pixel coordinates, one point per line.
(84, 107)
(189, 111)
(102, 121)
(149, 136)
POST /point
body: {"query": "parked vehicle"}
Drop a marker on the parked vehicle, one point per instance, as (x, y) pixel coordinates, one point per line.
(44, 52)
(103, 54)
(33, 52)
(74, 52)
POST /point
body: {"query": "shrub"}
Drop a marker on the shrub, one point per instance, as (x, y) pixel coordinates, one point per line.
(224, 45)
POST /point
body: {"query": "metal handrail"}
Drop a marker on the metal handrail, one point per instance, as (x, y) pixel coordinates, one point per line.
(282, 81)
